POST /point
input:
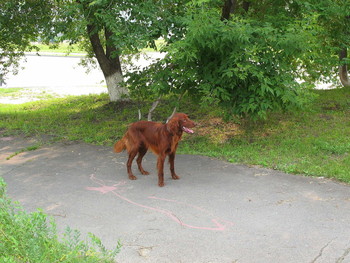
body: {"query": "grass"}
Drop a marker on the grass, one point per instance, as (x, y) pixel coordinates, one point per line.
(60, 48)
(65, 48)
(313, 142)
(27, 149)
(9, 91)
(31, 94)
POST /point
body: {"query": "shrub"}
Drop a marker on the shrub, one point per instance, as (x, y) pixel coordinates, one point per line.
(248, 66)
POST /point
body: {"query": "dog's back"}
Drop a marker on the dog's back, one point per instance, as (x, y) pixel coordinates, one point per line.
(145, 133)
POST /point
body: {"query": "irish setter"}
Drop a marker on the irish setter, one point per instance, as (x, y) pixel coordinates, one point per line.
(162, 139)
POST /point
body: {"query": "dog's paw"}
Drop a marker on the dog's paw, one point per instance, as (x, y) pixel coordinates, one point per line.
(175, 177)
(132, 177)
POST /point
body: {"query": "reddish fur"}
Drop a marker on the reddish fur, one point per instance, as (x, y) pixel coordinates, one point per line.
(162, 139)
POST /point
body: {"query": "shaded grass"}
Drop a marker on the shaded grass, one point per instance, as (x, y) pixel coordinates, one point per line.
(314, 142)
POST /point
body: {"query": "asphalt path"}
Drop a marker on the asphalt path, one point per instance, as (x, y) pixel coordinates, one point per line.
(216, 212)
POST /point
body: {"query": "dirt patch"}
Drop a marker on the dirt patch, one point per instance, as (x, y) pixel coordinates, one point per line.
(218, 130)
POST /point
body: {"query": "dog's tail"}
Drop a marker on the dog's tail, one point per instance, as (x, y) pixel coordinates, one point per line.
(120, 145)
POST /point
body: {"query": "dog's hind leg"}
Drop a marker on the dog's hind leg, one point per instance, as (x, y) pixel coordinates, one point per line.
(132, 155)
(142, 152)
(160, 166)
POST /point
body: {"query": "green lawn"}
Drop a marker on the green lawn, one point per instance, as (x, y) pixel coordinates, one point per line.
(9, 91)
(60, 48)
(75, 48)
(314, 142)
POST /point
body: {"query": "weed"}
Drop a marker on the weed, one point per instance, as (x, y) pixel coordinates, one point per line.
(27, 149)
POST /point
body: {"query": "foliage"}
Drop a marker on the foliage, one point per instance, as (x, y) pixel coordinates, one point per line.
(104, 29)
(334, 17)
(133, 24)
(264, 57)
(122, 27)
(21, 22)
(32, 237)
(258, 61)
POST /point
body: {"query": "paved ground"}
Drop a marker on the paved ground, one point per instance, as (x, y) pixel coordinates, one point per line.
(217, 212)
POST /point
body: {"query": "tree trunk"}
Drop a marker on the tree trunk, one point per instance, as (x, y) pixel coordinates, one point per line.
(115, 90)
(109, 62)
(343, 69)
(227, 9)
(246, 5)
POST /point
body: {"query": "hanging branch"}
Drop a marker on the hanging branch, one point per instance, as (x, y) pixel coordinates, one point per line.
(175, 108)
(174, 111)
(140, 115)
(154, 106)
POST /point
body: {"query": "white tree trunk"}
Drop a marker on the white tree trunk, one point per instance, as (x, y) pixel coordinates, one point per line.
(115, 90)
(344, 77)
(343, 69)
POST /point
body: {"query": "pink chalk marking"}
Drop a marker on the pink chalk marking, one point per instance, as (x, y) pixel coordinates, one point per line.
(216, 220)
(219, 224)
(175, 201)
(103, 189)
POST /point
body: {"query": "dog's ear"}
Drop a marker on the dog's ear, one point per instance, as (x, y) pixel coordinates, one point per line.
(173, 125)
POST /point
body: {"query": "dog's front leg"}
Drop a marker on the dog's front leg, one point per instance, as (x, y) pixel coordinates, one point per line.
(172, 166)
(160, 166)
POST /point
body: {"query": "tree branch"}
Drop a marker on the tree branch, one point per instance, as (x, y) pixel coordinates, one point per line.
(175, 108)
(154, 106)
(172, 114)
(98, 49)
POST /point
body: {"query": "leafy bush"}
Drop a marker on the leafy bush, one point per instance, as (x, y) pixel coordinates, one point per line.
(248, 65)
(32, 237)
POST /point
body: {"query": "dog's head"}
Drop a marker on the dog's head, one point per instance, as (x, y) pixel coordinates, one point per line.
(180, 122)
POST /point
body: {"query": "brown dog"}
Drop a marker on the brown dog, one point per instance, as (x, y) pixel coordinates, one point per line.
(162, 139)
